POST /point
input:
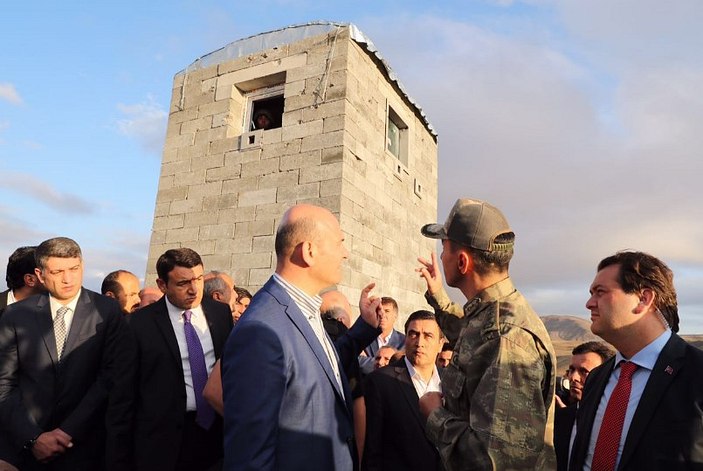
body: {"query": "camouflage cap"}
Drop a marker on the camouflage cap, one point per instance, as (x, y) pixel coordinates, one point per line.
(472, 223)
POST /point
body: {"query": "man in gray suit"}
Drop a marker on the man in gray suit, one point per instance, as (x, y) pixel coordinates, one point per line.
(63, 356)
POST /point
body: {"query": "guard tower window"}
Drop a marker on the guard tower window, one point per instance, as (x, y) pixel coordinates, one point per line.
(397, 136)
(265, 108)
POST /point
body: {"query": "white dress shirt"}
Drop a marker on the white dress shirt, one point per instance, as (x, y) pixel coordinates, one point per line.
(421, 387)
(199, 322)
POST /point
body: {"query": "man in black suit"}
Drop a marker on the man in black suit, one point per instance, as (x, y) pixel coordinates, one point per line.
(63, 356)
(179, 338)
(584, 358)
(21, 280)
(633, 307)
(395, 429)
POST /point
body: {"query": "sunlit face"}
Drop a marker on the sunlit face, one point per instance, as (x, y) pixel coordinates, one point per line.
(390, 314)
(449, 264)
(184, 287)
(240, 306)
(128, 297)
(611, 308)
(423, 341)
(330, 252)
(62, 277)
(383, 357)
(579, 368)
(444, 358)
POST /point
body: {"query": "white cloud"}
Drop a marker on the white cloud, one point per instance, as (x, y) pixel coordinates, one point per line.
(144, 122)
(42, 191)
(9, 93)
(520, 123)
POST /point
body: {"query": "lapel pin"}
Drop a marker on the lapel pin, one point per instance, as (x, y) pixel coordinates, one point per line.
(669, 370)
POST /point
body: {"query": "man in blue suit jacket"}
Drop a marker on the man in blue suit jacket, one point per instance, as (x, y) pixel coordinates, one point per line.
(287, 400)
(388, 337)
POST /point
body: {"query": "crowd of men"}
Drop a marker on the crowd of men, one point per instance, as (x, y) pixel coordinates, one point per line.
(198, 374)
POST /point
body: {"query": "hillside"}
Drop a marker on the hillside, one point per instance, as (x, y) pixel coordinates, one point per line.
(567, 332)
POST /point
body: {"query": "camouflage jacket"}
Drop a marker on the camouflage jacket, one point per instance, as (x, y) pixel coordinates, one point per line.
(499, 386)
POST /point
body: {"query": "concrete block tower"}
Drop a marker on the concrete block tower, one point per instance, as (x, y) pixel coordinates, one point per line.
(309, 113)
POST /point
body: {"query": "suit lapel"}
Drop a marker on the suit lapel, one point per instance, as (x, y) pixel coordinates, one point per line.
(164, 326)
(405, 383)
(80, 315)
(45, 323)
(665, 370)
(303, 325)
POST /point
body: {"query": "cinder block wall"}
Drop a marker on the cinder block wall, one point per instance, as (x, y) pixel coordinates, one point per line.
(223, 189)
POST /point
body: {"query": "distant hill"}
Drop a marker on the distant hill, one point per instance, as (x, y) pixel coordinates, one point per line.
(567, 332)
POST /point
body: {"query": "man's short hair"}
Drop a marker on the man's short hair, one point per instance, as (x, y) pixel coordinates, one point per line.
(242, 293)
(110, 282)
(60, 247)
(182, 257)
(292, 233)
(391, 301)
(422, 315)
(448, 347)
(214, 284)
(599, 348)
(20, 263)
(496, 261)
(640, 271)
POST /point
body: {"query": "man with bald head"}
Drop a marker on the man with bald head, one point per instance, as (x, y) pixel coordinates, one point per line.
(220, 287)
(124, 287)
(287, 403)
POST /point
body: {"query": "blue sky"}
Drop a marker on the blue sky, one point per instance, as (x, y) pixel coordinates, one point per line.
(583, 121)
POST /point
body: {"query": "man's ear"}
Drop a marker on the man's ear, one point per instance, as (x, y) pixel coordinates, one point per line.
(646, 302)
(110, 294)
(30, 280)
(308, 252)
(161, 284)
(464, 262)
(37, 272)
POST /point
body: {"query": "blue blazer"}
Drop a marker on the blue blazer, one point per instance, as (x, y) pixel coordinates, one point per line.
(283, 406)
(366, 363)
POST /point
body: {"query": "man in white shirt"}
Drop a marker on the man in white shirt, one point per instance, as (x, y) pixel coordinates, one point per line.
(179, 338)
(395, 429)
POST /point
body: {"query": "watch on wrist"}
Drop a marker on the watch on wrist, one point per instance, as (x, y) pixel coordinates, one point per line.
(29, 444)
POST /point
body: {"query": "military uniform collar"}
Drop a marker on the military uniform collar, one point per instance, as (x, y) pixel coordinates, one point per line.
(497, 290)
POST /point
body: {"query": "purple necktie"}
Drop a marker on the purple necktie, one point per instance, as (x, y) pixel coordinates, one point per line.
(205, 414)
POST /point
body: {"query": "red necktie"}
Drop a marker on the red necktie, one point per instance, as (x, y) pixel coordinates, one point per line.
(606, 452)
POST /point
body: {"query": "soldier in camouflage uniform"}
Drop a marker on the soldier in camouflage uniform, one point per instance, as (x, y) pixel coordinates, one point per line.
(497, 406)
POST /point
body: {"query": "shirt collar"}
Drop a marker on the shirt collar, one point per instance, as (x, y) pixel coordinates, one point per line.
(414, 374)
(647, 357)
(310, 305)
(55, 304)
(176, 312)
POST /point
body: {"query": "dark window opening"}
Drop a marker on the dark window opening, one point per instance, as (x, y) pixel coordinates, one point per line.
(266, 113)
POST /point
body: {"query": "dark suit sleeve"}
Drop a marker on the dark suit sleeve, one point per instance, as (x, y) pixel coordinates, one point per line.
(14, 417)
(254, 384)
(373, 444)
(79, 422)
(353, 342)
